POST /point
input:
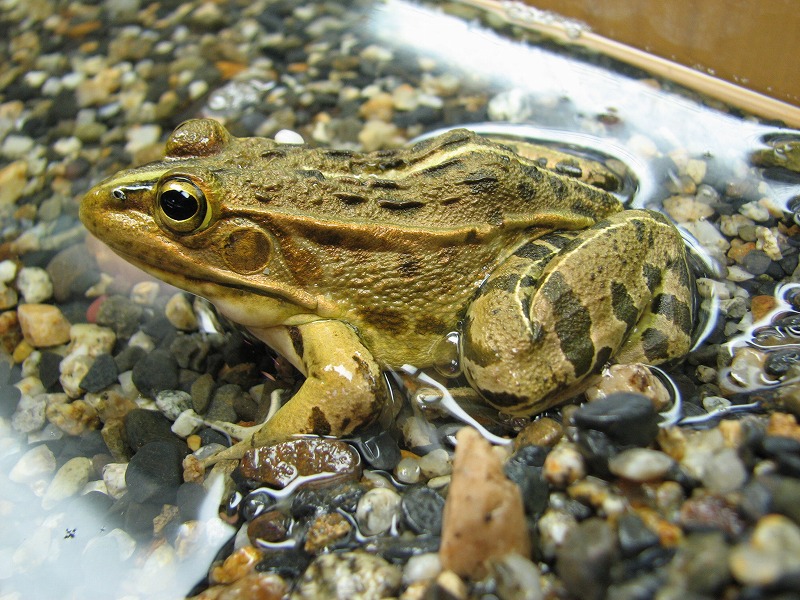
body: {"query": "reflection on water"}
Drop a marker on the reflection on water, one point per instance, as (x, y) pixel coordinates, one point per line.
(67, 538)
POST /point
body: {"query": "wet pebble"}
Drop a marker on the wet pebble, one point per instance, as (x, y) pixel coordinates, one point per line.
(377, 511)
(422, 510)
(37, 463)
(628, 419)
(270, 526)
(641, 464)
(349, 576)
(145, 426)
(326, 530)
(279, 464)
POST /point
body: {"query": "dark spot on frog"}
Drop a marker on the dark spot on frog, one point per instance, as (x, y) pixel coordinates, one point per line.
(675, 310)
(652, 275)
(443, 166)
(386, 319)
(311, 174)
(410, 267)
(432, 325)
(297, 340)
(503, 399)
(572, 325)
(622, 305)
(383, 184)
(655, 344)
(558, 187)
(603, 356)
(394, 203)
(534, 251)
(349, 198)
(318, 423)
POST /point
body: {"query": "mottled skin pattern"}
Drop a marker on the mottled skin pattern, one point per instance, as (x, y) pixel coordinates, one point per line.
(350, 263)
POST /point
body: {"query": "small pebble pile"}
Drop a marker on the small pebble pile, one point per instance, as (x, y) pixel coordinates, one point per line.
(106, 378)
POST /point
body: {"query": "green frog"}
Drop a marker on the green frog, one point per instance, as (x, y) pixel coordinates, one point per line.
(349, 264)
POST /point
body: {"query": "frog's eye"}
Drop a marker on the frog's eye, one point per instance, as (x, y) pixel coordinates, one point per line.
(181, 205)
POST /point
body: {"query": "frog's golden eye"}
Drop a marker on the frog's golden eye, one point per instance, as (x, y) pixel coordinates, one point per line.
(181, 205)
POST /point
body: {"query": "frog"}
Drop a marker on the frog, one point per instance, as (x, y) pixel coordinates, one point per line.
(351, 265)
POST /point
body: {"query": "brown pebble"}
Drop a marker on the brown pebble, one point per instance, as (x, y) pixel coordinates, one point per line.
(483, 515)
(760, 306)
(541, 432)
(783, 425)
(255, 586)
(271, 526)
(43, 325)
(237, 565)
(280, 464)
(325, 530)
(707, 511)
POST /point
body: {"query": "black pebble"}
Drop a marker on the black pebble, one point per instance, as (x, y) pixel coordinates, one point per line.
(289, 564)
(128, 357)
(530, 479)
(190, 500)
(627, 418)
(422, 510)
(49, 369)
(9, 398)
(379, 449)
(120, 314)
(212, 436)
(221, 407)
(138, 518)
(145, 426)
(156, 372)
(756, 262)
(634, 535)
(101, 374)
(155, 472)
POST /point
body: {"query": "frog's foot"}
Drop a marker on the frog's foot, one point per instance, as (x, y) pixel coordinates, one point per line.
(343, 390)
(562, 306)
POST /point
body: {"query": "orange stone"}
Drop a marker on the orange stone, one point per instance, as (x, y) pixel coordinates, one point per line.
(761, 305)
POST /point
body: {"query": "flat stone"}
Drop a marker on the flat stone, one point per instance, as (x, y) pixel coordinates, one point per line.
(145, 426)
(270, 526)
(280, 464)
(484, 517)
(377, 510)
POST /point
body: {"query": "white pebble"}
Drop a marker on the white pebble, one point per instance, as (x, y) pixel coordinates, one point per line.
(436, 463)
(737, 273)
(87, 338)
(725, 472)
(767, 241)
(186, 424)
(377, 510)
(422, 567)
(564, 465)
(34, 284)
(173, 402)
(69, 479)
(141, 136)
(36, 463)
(640, 464)
(754, 210)
(287, 136)
(408, 470)
(114, 478)
(29, 415)
(8, 270)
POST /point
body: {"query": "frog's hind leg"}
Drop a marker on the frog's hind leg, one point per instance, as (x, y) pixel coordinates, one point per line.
(562, 306)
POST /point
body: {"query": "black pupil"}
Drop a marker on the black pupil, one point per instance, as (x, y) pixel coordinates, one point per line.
(178, 205)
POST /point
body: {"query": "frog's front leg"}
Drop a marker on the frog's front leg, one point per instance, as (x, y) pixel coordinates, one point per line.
(343, 389)
(562, 306)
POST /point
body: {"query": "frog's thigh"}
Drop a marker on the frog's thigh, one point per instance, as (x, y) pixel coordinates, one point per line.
(343, 389)
(621, 289)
